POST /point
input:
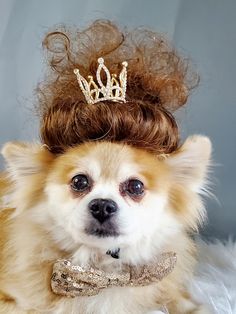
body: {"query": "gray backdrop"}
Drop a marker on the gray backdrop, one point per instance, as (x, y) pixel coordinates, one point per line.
(203, 29)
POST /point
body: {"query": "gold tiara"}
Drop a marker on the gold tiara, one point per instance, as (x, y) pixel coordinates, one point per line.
(114, 88)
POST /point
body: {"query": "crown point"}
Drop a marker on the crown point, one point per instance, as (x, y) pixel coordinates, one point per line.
(113, 90)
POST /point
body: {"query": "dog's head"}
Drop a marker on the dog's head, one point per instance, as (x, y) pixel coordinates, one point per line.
(106, 195)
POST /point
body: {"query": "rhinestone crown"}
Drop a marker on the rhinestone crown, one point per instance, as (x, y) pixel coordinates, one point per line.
(114, 88)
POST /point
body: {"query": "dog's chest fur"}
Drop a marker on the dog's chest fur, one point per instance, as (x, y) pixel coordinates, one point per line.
(112, 300)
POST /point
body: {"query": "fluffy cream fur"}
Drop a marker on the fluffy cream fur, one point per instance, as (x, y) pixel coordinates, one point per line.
(215, 276)
(43, 220)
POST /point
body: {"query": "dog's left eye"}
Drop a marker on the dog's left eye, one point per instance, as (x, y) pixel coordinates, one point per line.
(135, 187)
(80, 183)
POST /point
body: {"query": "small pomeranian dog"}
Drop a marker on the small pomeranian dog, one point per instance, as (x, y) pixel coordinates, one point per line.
(109, 184)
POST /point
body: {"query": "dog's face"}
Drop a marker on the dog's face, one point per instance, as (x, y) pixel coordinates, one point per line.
(105, 195)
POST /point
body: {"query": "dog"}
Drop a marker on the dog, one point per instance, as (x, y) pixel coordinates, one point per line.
(96, 198)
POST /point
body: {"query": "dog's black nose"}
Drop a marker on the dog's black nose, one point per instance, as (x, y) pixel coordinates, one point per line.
(102, 209)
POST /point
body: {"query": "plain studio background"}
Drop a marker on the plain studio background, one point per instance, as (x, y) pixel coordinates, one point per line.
(205, 30)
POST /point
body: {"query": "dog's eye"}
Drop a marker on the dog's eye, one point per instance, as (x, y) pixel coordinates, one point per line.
(135, 187)
(80, 183)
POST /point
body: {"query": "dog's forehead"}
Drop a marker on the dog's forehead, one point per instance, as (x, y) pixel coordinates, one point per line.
(105, 160)
(112, 161)
(109, 162)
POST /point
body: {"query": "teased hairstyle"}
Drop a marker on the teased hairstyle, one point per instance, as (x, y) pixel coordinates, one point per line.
(159, 82)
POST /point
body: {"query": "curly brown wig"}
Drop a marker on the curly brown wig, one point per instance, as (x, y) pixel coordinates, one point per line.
(159, 82)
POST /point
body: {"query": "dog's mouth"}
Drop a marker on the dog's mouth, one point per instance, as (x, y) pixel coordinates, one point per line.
(101, 233)
(107, 229)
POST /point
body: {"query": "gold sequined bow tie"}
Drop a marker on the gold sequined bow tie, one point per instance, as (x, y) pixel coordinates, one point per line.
(71, 281)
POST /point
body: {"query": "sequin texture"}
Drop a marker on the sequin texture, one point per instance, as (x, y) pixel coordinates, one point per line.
(72, 280)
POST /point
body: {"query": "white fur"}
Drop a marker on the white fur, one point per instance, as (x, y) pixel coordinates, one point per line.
(215, 281)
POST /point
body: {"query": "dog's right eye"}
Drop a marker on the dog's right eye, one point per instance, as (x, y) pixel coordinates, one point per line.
(80, 183)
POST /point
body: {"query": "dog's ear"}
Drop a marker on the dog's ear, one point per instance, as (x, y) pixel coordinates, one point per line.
(24, 159)
(191, 162)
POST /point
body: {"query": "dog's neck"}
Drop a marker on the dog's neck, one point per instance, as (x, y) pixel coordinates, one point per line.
(114, 257)
(86, 255)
